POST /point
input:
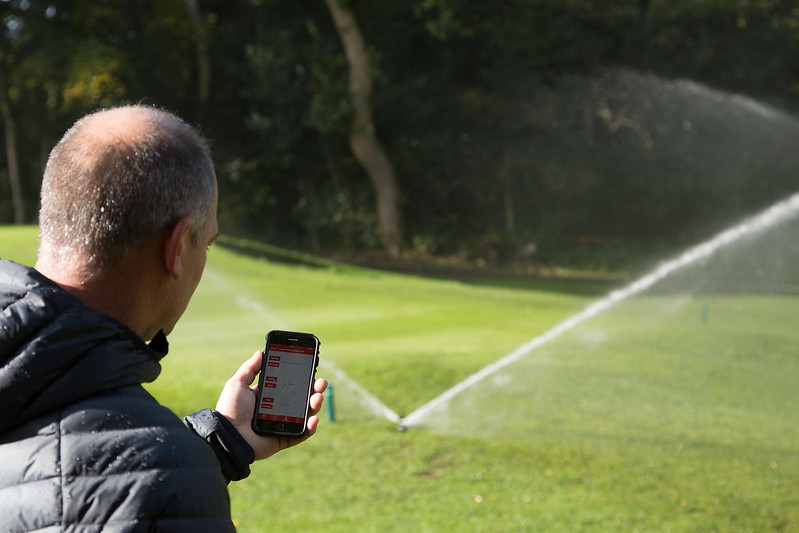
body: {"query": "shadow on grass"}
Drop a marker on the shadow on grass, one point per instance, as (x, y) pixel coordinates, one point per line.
(481, 277)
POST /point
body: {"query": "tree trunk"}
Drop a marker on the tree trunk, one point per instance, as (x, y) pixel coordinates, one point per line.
(363, 139)
(203, 57)
(505, 174)
(11, 151)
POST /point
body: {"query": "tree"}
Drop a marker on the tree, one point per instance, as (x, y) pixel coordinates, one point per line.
(363, 138)
(203, 55)
(12, 157)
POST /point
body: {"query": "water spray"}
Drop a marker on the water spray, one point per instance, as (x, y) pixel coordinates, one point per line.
(369, 401)
(780, 212)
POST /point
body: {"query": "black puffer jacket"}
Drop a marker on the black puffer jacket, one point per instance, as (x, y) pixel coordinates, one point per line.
(83, 447)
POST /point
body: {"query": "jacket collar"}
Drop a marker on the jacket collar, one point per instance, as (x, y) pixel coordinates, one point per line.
(54, 350)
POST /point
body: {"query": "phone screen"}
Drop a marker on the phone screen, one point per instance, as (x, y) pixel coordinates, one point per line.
(287, 375)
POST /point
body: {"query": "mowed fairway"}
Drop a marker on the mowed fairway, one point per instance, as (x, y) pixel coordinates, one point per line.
(664, 414)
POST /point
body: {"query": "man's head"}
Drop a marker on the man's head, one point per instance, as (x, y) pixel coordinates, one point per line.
(117, 178)
(128, 207)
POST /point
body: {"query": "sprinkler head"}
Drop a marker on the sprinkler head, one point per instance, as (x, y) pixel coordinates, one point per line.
(401, 427)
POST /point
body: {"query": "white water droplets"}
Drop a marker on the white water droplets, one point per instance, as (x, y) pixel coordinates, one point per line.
(778, 213)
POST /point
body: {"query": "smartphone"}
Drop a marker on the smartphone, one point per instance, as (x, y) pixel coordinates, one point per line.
(285, 383)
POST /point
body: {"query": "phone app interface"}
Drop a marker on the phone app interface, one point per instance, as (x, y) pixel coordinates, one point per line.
(286, 382)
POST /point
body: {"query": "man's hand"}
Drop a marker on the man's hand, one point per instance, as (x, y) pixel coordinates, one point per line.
(237, 403)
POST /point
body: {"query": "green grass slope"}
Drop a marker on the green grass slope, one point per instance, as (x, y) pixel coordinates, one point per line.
(667, 413)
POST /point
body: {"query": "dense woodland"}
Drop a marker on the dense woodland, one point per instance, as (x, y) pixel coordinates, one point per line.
(545, 132)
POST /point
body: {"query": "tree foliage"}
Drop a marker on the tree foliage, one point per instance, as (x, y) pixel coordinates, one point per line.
(572, 128)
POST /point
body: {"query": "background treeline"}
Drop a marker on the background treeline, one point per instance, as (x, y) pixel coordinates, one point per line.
(553, 132)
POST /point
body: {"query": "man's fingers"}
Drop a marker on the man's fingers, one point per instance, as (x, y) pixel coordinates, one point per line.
(249, 370)
(320, 385)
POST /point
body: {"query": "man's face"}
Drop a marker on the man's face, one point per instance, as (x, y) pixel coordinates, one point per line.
(199, 253)
(194, 261)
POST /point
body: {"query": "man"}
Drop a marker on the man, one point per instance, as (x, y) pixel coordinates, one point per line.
(128, 209)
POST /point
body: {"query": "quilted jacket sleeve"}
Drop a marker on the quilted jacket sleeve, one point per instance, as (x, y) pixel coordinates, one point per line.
(232, 451)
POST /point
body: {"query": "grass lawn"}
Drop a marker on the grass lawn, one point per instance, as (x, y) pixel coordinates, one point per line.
(670, 412)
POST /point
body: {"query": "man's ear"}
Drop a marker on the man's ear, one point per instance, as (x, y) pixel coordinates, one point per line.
(177, 239)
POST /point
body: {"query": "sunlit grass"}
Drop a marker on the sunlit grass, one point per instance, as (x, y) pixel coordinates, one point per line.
(19, 243)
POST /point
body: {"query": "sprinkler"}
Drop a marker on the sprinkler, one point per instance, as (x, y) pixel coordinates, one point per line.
(331, 412)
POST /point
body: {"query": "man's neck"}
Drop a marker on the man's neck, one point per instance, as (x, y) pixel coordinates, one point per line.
(121, 293)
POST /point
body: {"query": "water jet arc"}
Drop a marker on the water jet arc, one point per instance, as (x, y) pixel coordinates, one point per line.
(779, 212)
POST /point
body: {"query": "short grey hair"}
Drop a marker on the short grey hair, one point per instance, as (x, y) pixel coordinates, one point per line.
(120, 176)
